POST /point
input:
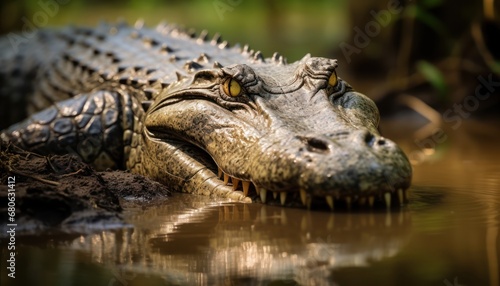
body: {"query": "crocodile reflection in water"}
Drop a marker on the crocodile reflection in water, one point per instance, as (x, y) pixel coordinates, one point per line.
(192, 241)
(199, 115)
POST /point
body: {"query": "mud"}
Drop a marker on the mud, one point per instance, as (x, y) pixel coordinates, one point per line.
(63, 194)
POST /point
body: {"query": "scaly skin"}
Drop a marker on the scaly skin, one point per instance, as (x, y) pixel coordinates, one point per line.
(201, 117)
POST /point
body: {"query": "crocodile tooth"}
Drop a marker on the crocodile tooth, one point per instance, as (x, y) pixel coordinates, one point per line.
(226, 179)
(387, 197)
(236, 182)
(283, 198)
(257, 190)
(246, 187)
(401, 196)
(263, 194)
(329, 201)
(371, 201)
(348, 201)
(219, 172)
(275, 195)
(303, 197)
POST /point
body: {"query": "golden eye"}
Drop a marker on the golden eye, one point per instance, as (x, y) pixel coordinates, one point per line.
(332, 80)
(232, 87)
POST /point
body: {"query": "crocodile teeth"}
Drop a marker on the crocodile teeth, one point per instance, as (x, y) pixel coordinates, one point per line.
(275, 195)
(236, 182)
(219, 173)
(263, 194)
(329, 201)
(371, 201)
(283, 198)
(246, 187)
(387, 197)
(401, 197)
(226, 179)
(303, 197)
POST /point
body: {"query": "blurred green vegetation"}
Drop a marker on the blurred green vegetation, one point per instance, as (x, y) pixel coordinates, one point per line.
(293, 28)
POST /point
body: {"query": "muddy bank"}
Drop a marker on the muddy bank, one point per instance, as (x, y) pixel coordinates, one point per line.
(61, 193)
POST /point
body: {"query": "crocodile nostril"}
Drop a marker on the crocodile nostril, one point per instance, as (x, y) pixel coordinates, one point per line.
(316, 144)
(372, 140)
(369, 138)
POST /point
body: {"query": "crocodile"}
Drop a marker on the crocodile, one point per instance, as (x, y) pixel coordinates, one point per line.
(200, 115)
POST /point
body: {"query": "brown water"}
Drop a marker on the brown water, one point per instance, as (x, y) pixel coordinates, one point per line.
(447, 235)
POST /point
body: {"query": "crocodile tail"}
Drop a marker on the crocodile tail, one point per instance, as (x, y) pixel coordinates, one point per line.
(21, 56)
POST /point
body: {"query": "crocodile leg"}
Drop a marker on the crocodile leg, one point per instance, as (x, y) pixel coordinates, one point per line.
(93, 126)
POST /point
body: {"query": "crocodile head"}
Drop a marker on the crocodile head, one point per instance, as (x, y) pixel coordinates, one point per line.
(295, 134)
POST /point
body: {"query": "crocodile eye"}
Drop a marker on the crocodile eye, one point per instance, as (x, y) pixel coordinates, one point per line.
(333, 80)
(232, 88)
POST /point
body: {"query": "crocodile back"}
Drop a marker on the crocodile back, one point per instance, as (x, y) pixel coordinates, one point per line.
(53, 65)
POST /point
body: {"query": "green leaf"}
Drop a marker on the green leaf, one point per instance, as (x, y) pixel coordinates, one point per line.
(435, 77)
(429, 20)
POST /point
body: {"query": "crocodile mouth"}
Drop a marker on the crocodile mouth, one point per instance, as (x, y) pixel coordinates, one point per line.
(337, 200)
(220, 154)
(300, 198)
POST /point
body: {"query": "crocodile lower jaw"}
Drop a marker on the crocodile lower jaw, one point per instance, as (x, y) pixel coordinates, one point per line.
(300, 198)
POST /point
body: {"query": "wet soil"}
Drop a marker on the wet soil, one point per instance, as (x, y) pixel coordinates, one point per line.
(62, 193)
